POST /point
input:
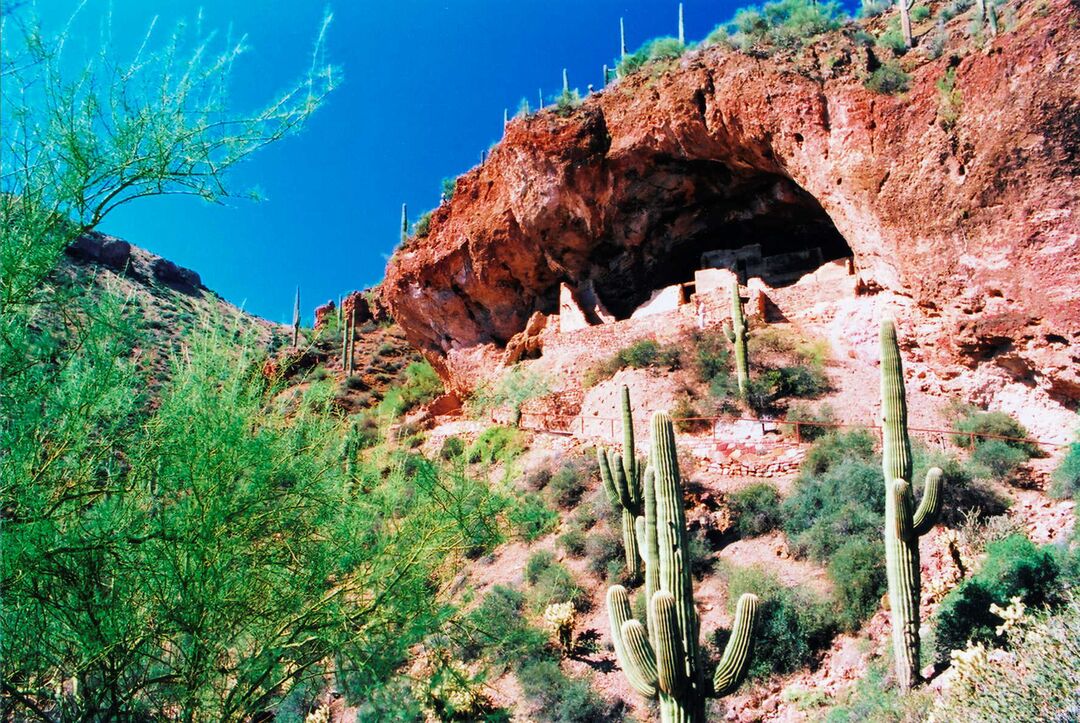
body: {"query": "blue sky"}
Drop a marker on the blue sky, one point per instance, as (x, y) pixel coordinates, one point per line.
(425, 87)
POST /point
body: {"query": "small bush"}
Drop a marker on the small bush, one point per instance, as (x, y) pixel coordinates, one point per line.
(711, 356)
(920, 13)
(666, 48)
(755, 510)
(991, 424)
(566, 102)
(641, 354)
(700, 554)
(687, 417)
(601, 549)
(537, 564)
(572, 542)
(556, 698)
(1014, 566)
(538, 478)
(997, 459)
(422, 227)
(893, 39)
(495, 444)
(888, 79)
(836, 447)
(873, 8)
(531, 518)
(1066, 479)
(452, 448)
(566, 486)
(556, 584)
(794, 625)
(857, 570)
(814, 421)
(448, 186)
(497, 628)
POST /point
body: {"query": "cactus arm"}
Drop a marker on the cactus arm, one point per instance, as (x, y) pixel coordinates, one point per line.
(896, 447)
(926, 516)
(641, 671)
(901, 504)
(619, 614)
(651, 547)
(630, 544)
(628, 432)
(736, 659)
(622, 485)
(667, 642)
(605, 476)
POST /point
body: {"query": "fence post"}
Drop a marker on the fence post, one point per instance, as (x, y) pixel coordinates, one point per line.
(798, 433)
(583, 426)
(972, 445)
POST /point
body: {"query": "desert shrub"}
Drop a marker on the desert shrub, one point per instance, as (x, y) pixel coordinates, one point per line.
(687, 417)
(962, 493)
(996, 459)
(603, 548)
(422, 227)
(995, 424)
(794, 624)
(447, 188)
(755, 509)
(933, 44)
(556, 698)
(1066, 479)
(857, 569)
(769, 385)
(572, 542)
(836, 447)
(566, 101)
(515, 387)
(824, 511)
(1014, 567)
(355, 383)
(700, 554)
(641, 354)
(873, 8)
(823, 415)
(556, 584)
(497, 629)
(530, 517)
(920, 13)
(893, 39)
(452, 448)
(537, 564)
(495, 444)
(872, 698)
(567, 486)
(538, 478)
(889, 78)
(711, 355)
(792, 21)
(665, 48)
(1036, 680)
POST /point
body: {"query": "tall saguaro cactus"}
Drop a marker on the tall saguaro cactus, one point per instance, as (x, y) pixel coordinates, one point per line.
(682, 31)
(903, 523)
(404, 223)
(622, 477)
(296, 320)
(736, 334)
(665, 663)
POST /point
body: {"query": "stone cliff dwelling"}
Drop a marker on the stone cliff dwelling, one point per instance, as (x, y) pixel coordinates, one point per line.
(765, 232)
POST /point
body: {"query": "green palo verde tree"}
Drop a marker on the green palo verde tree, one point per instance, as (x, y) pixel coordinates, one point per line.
(664, 661)
(736, 334)
(622, 476)
(903, 523)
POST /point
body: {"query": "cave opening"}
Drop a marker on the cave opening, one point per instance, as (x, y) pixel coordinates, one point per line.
(684, 216)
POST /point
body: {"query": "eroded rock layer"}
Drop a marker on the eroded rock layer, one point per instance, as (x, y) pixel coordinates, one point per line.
(976, 217)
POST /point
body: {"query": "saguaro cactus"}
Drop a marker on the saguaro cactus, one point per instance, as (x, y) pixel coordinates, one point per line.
(736, 334)
(404, 223)
(622, 477)
(903, 523)
(296, 320)
(682, 31)
(665, 662)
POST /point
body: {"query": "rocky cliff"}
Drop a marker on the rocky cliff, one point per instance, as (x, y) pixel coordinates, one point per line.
(968, 202)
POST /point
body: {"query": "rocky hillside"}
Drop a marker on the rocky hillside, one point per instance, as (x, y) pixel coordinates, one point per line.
(961, 198)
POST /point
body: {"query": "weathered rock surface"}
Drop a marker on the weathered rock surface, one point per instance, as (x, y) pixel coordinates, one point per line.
(99, 248)
(978, 222)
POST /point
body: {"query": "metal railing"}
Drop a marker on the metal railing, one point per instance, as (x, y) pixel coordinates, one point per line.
(580, 426)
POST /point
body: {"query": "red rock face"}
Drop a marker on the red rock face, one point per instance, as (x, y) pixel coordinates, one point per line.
(324, 312)
(978, 221)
